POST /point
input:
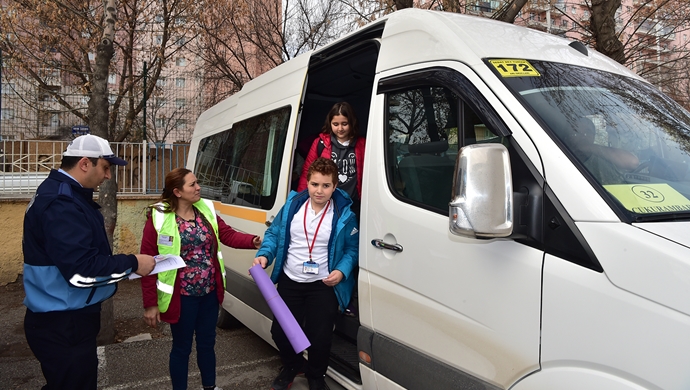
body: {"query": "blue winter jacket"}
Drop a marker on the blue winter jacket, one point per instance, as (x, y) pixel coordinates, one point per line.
(343, 246)
(68, 263)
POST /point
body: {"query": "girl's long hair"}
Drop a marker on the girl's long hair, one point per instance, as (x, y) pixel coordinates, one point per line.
(346, 110)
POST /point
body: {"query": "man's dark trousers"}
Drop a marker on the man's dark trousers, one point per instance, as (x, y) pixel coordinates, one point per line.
(64, 342)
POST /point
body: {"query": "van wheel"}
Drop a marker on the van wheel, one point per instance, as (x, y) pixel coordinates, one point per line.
(227, 320)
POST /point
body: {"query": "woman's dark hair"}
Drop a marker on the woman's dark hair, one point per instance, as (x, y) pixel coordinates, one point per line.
(346, 110)
(174, 179)
(325, 167)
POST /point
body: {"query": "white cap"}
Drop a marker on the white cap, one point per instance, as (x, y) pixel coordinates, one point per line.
(93, 147)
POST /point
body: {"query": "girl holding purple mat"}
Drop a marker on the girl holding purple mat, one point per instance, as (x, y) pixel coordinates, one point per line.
(314, 242)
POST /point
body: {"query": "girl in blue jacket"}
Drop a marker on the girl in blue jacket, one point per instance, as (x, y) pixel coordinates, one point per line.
(314, 242)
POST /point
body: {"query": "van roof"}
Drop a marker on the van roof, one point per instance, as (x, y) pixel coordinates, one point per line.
(415, 35)
(412, 36)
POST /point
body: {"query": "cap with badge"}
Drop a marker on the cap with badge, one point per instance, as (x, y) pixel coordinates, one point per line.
(93, 147)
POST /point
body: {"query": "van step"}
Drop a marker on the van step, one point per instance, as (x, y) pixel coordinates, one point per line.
(344, 359)
(347, 328)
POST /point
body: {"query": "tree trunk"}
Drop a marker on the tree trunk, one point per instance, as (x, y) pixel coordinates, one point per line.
(603, 27)
(98, 122)
(509, 12)
(402, 4)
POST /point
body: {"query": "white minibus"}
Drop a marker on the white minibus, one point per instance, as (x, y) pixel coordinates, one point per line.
(525, 214)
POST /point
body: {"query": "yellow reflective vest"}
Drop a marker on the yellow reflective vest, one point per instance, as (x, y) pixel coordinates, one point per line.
(165, 224)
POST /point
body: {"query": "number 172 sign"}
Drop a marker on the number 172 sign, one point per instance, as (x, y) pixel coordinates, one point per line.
(514, 68)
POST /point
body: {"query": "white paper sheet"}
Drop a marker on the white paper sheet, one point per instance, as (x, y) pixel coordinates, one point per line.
(163, 263)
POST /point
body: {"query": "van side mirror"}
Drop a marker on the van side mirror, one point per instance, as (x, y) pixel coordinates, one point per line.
(482, 201)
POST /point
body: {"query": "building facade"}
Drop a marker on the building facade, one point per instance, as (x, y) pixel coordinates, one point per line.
(51, 108)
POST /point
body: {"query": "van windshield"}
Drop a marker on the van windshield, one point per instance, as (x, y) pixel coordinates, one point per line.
(623, 134)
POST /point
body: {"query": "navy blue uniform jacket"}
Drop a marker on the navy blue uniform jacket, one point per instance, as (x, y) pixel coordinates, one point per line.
(68, 263)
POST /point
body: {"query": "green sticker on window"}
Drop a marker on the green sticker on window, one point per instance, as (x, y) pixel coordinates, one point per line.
(649, 198)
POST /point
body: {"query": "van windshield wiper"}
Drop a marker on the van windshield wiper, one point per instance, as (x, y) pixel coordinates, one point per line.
(664, 217)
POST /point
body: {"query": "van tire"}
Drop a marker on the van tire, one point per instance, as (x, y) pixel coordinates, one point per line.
(227, 320)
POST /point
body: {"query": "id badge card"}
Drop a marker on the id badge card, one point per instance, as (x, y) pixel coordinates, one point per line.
(165, 240)
(310, 267)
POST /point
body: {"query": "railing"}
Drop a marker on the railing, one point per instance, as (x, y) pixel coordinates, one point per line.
(25, 164)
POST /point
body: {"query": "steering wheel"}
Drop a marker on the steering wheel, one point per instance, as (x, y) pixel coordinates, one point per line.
(642, 166)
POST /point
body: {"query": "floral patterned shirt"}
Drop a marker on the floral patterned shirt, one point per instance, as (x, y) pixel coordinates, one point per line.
(196, 238)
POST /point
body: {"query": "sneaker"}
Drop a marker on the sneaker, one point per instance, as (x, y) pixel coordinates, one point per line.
(214, 388)
(318, 384)
(351, 310)
(284, 379)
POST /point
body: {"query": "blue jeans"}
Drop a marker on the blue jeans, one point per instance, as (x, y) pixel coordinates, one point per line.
(197, 315)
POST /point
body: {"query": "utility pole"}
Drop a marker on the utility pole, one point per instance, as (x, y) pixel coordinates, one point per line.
(145, 103)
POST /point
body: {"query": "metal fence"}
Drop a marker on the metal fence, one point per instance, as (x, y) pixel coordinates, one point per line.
(25, 164)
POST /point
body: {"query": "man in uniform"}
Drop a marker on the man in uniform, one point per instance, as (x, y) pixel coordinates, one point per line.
(69, 268)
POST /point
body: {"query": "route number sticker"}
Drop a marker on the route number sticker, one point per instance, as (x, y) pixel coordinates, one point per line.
(514, 68)
(649, 198)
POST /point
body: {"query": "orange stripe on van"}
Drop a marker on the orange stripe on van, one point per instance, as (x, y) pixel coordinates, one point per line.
(240, 212)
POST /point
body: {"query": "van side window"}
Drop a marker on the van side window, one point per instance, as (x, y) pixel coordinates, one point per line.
(423, 139)
(242, 165)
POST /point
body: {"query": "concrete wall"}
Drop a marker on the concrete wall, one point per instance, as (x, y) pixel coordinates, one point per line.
(127, 239)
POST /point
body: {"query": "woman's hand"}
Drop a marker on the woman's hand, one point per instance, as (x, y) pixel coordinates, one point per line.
(257, 242)
(152, 316)
(260, 260)
(333, 278)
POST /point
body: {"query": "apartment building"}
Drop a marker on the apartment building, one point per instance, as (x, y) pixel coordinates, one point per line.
(29, 110)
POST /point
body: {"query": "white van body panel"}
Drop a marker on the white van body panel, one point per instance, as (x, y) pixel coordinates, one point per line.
(588, 323)
(441, 285)
(674, 231)
(575, 378)
(647, 265)
(380, 382)
(251, 318)
(214, 119)
(281, 83)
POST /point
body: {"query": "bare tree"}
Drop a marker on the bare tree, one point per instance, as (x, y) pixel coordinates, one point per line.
(243, 39)
(509, 11)
(78, 53)
(603, 29)
(169, 116)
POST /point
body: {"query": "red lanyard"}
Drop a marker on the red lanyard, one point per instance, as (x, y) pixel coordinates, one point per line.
(311, 247)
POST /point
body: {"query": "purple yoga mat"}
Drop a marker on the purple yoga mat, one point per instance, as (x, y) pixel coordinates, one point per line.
(280, 310)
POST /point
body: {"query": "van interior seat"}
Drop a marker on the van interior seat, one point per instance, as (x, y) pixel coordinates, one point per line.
(428, 173)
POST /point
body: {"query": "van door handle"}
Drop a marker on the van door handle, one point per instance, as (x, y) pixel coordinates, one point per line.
(378, 243)
(268, 223)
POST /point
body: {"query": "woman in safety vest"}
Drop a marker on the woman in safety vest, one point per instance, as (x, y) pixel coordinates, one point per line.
(183, 224)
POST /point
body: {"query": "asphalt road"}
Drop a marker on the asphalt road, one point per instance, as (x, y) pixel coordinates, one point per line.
(244, 361)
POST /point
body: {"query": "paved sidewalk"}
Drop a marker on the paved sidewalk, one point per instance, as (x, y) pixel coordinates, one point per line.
(244, 361)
